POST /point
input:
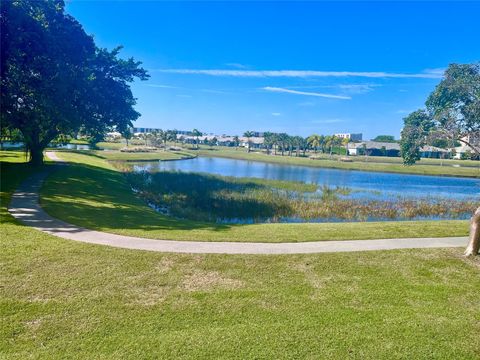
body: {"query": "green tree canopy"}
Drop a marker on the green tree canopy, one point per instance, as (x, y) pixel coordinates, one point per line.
(385, 138)
(54, 80)
(452, 113)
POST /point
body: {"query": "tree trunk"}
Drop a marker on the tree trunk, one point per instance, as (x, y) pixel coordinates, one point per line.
(474, 242)
(35, 144)
(36, 154)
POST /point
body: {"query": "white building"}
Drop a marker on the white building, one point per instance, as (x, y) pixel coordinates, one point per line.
(473, 139)
(350, 136)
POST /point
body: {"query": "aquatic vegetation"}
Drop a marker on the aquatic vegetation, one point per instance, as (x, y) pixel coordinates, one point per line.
(217, 198)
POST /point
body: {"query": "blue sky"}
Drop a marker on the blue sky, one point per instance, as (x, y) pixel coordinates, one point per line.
(301, 68)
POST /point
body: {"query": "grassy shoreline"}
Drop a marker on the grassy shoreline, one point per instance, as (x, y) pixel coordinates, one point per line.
(389, 167)
(91, 193)
(64, 299)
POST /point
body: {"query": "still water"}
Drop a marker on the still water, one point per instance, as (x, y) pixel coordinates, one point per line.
(365, 184)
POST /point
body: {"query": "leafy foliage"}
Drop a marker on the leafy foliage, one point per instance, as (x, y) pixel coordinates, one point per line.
(54, 80)
(452, 113)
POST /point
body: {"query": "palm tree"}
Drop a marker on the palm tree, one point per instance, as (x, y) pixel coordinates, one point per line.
(213, 142)
(268, 141)
(172, 136)
(290, 142)
(301, 144)
(297, 140)
(236, 140)
(145, 137)
(332, 141)
(127, 134)
(329, 143)
(315, 141)
(282, 140)
(248, 135)
(164, 136)
(275, 142)
(197, 134)
(155, 137)
(345, 142)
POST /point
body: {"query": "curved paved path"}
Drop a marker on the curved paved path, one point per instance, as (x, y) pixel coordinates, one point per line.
(26, 208)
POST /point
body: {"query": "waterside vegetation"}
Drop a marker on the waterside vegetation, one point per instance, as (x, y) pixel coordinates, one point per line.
(90, 192)
(207, 197)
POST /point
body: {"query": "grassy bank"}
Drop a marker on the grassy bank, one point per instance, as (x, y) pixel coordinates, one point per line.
(143, 156)
(63, 299)
(428, 167)
(91, 193)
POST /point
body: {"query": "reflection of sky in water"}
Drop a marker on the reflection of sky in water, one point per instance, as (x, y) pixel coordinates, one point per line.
(371, 185)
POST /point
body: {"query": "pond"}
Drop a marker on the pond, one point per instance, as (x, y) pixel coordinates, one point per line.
(367, 185)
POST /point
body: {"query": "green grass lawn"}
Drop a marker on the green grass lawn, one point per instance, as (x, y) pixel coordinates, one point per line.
(143, 156)
(62, 299)
(379, 164)
(91, 193)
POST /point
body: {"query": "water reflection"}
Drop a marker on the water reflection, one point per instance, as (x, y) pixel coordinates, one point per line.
(371, 185)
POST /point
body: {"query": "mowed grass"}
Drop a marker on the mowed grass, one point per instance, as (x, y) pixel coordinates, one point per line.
(143, 156)
(376, 164)
(62, 299)
(91, 193)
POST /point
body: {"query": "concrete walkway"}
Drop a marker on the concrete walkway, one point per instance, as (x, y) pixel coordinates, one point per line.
(26, 208)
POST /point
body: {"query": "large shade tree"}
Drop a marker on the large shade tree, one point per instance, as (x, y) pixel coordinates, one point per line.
(54, 80)
(452, 113)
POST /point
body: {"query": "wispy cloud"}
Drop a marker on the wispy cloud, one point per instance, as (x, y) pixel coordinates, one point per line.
(347, 88)
(306, 93)
(358, 88)
(237, 65)
(183, 96)
(430, 74)
(276, 114)
(436, 71)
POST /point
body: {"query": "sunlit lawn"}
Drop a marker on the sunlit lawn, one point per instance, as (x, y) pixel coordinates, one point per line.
(62, 299)
(92, 194)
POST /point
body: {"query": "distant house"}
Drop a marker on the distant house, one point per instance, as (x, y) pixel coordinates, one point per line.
(473, 139)
(434, 152)
(374, 148)
(351, 137)
(255, 142)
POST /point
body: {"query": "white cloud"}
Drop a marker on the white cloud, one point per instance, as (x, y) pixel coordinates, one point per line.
(237, 65)
(430, 74)
(289, 91)
(276, 114)
(436, 71)
(358, 88)
(183, 96)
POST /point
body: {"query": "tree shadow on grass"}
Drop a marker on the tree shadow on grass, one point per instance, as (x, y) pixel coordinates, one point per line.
(95, 197)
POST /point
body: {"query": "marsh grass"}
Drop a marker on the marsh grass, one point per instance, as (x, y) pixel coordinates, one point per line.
(215, 198)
